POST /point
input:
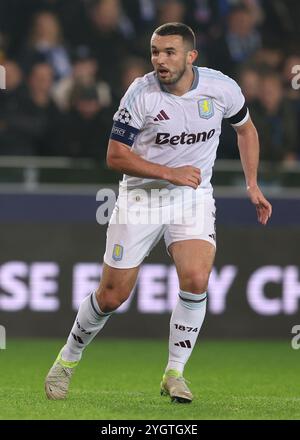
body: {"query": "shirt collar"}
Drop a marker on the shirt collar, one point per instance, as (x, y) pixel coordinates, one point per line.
(194, 83)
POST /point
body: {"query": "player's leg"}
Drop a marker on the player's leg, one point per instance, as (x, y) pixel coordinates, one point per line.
(193, 260)
(126, 247)
(94, 311)
(191, 243)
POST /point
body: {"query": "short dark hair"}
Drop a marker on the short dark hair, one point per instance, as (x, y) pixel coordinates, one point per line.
(177, 29)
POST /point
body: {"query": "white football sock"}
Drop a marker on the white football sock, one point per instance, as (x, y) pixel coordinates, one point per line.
(185, 324)
(88, 322)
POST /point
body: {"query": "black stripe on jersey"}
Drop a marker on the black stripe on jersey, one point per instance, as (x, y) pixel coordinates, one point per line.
(239, 116)
(123, 133)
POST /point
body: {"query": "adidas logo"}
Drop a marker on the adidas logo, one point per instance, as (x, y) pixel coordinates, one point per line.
(81, 328)
(162, 116)
(183, 344)
(77, 338)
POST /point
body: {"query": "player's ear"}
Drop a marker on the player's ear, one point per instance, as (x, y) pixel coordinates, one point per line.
(192, 56)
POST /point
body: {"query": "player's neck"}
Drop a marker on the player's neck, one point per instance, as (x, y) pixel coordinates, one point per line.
(183, 85)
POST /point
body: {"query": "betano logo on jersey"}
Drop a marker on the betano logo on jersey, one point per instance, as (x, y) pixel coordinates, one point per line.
(184, 138)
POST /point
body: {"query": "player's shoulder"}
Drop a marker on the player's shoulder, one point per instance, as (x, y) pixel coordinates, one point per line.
(215, 77)
(222, 87)
(143, 85)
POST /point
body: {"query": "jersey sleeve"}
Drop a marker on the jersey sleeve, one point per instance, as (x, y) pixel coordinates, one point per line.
(129, 119)
(236, 111)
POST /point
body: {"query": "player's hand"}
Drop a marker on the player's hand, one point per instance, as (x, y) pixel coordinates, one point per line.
(185, 176)
(263, 207)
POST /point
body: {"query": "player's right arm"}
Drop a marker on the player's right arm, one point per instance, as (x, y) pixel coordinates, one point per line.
(129, 120)
(121, 158)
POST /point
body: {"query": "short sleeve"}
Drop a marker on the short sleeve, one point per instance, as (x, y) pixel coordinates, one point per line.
(132, 107)
(129, 119)
(236, 111)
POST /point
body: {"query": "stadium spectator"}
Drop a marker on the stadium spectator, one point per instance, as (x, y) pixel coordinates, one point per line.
(109, 34)
(9, 99)
(249, 80)
(86, 126)
(72, 15)
(30, 122)
(270, 57)
(275, 120)
(14, 80)
(45, 44)
(84, 72)
(239, 42)
(255, 7)
(132, 68)
(14, 19)
(102, 44)
(207, 20)
(283, 17)
(171, 11)
(15, 88)
(211, 15)
(142, 14)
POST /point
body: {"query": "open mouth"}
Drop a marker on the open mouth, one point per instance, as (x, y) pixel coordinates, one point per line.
(163, 72)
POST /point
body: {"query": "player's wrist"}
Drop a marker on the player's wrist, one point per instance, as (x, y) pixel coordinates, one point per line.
(251, 185)
(167, 173)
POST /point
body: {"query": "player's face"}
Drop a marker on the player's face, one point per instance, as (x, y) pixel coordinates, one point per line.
(170, 57)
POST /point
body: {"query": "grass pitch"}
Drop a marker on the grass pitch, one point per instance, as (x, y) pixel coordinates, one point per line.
(119, 380)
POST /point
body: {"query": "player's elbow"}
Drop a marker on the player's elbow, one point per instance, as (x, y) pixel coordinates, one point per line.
(112, 155)
(247, 129)
(116, 156)
(115, 161)
(112, 161)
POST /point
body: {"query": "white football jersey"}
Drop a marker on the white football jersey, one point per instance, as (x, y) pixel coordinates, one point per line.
(178, 130)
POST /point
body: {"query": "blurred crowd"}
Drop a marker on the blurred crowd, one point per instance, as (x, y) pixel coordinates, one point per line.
(68, 63)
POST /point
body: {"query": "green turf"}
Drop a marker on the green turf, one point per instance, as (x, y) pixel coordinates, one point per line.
(119, 379)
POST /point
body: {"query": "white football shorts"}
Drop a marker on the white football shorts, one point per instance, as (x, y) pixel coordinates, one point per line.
(141, 217)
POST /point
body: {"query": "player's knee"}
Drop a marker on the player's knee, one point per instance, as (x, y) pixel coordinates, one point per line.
(195, 282)
(110, 298)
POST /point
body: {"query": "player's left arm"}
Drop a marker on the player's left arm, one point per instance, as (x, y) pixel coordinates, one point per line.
(248, 144)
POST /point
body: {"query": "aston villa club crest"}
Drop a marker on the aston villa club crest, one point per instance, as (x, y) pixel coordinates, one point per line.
(117, 252)
(206, 108)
